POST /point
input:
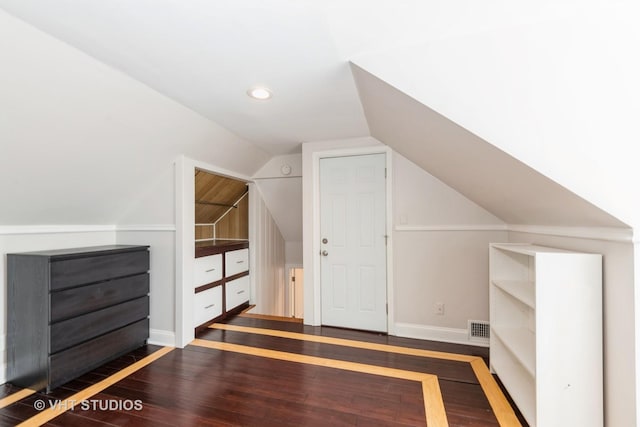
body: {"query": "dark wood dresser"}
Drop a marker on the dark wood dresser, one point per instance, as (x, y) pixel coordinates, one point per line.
(72, 310)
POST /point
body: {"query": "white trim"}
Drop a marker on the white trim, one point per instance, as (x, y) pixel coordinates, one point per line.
(161, 337)
(75, 228)
(254, 226)
(147, 227)
(436, 333)
(54, 229)
(453, 227)
(185, 248)
(359, 151)
(185, 240)
(611, 234)
(217, 171)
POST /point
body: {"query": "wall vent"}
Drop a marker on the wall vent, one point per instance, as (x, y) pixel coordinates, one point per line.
(478, 330)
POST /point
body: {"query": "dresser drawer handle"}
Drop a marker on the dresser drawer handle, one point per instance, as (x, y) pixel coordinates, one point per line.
(239, 262)
(241, 292)
(209, 306)
(210, 270)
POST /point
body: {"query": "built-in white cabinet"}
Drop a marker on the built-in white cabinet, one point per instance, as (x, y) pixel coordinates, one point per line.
(207, 305)
(546, 332)
(207, 269)
(237, 292)
(236, 262)
(221, 281)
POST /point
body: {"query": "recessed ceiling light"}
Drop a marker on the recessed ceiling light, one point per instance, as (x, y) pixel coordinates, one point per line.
(260, 93)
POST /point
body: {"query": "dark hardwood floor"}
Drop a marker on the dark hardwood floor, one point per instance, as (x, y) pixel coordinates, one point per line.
(205, 386)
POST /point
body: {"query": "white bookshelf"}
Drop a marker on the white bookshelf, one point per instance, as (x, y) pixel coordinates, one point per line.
(546, 332)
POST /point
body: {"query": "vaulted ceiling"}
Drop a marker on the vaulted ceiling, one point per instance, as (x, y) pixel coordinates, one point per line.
(205, 55)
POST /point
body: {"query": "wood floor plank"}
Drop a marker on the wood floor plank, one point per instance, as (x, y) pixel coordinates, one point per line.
(267, 317)
(241, 383)
(346, 343)
(50, 413)
(445, 369)
(433, 404)
(434, 408)
(15, 397)
(374, 337)
(501, 407)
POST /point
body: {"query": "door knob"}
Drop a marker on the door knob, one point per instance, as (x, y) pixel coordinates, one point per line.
(325, 241)
(324, 253)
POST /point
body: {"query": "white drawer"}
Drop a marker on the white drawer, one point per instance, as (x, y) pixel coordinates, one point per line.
(207, 305)
(236, 262)
(237, 292)
(207, 269)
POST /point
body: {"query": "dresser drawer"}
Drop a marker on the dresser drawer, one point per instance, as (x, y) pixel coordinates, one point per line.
(237, 292)
(71, 363)
(236, 262)
(207, 269)
(85, 299)
(79, 271)
(83, 328)
(207, 305)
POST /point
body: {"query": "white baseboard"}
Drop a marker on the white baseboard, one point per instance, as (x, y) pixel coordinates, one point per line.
(163, 338)
(436, 333)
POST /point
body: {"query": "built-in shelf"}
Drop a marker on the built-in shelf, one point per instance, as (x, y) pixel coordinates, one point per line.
(521, 342)
(524, 291)
(546, 332)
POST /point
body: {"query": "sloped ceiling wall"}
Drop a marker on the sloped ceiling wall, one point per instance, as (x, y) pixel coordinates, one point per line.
(282, 194)
(486, 175)
(81, 142)
(559, 93)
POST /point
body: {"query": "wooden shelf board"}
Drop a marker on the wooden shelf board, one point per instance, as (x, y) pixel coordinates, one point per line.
(521, 343)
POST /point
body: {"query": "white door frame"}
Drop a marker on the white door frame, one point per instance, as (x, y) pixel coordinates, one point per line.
(185, 206)
(316, 156)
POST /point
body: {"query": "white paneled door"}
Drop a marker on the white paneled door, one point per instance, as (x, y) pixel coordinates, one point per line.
(353, 242)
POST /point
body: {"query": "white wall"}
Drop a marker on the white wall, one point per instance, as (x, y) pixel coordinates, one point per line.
(294, 253)
(161, 280)
(558, 93)
(269, 278)
(283, 197)
(28, 239)
(619, 320)
(440, 255)
(82, 143)
(439, 241)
